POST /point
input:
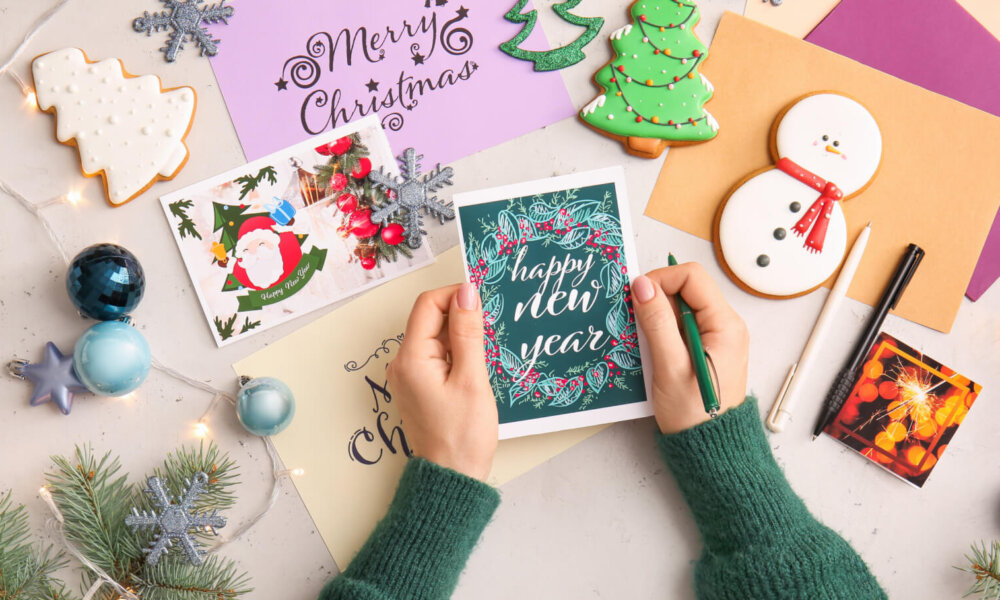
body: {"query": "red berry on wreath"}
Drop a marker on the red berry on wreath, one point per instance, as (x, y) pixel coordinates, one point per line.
(392, 234)
(324, 150)
(363, 169)
(347, 203)
(338, 182)
(368, 263)
(341, 146)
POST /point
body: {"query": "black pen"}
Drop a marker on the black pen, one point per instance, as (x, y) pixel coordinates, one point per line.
(890, 298)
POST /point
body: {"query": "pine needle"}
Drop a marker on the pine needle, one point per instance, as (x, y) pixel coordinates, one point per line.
(215, 579)
(25, 573)
(984, 564)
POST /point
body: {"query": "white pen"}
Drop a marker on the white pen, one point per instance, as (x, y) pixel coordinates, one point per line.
(799, 372)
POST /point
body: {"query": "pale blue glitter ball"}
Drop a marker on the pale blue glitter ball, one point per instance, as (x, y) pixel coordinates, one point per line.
(265, 406)
(111, 358)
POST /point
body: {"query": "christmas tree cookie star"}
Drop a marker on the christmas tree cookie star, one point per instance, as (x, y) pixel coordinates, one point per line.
(127, 128)
(781, 232)
(653, 95)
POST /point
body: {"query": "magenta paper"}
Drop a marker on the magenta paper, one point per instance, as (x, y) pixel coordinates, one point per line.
(937, 45)
(432, 70)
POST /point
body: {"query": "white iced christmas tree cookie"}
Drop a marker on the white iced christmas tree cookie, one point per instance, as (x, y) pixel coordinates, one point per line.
(781, 232)
(125, 127)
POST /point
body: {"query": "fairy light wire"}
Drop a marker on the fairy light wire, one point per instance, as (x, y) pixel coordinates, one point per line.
(40, 22)
(56, 524)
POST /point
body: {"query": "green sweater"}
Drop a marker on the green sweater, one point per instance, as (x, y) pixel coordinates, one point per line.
(760, 541)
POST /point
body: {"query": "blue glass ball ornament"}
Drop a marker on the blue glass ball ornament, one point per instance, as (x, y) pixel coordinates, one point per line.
(105, 282)
(265, 406)
(111, 358)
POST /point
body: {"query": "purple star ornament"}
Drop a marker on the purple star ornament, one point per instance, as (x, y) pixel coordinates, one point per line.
(53, 378)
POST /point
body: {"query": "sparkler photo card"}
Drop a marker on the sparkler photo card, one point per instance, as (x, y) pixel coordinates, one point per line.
(904, 410)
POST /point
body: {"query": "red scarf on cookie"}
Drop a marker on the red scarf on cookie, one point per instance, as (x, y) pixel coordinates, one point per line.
(818, 215)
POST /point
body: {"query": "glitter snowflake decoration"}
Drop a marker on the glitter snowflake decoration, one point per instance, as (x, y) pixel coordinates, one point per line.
(185, 19)
(175, 519)
(410, 193)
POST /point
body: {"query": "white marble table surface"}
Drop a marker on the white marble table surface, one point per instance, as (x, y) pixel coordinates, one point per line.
(602, 520)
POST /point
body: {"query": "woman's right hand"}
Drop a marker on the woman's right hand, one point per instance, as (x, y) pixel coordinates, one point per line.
(676, 399)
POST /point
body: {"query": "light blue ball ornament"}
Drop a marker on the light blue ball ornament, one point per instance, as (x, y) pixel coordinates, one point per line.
(265, 406)
(111, 358)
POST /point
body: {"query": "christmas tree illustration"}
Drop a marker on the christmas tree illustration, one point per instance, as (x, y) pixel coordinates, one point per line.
(652, 92)
(556, 58)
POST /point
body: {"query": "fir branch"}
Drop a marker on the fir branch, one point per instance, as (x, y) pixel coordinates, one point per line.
(181, 465)
(249, 183)
(215, 579)
(94, 501)
(226, 329)
(248, 325)
(26, 573)
(984, 564)
(186, 226)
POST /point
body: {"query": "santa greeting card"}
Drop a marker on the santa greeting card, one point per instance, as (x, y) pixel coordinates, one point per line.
(904, 410)
(298, 68)
(552, 260)
(292, 232)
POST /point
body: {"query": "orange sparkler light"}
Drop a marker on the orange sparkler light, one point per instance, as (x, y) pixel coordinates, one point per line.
(915, 394)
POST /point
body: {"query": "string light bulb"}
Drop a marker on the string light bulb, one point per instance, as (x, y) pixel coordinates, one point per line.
(298, 472)
(31, 100)
(200, 429)
(73, 197)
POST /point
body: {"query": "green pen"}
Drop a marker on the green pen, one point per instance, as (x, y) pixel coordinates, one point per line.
(699, 358)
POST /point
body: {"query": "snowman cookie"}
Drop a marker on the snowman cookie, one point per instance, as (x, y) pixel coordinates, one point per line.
(781, 232)
(127, 128)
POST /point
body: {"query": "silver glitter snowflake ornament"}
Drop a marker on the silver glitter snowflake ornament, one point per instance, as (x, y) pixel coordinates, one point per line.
(412, 192)
(185, 18)
(175, 519)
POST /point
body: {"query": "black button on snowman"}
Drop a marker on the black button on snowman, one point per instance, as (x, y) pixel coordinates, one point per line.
(781, 232)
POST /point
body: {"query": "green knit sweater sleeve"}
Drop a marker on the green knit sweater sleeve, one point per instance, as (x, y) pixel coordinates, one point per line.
(420, 547)
(759, 539)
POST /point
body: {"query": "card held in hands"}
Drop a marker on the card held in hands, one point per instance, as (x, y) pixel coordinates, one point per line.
(553, 261)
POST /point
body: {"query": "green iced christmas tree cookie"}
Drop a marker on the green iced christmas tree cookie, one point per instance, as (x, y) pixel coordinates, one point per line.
(652, 92)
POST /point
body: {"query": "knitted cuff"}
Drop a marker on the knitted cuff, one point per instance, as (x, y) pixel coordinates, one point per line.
(729, 478)
(421, 546)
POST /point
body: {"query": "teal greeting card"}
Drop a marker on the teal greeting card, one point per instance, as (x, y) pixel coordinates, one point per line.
(552, 260)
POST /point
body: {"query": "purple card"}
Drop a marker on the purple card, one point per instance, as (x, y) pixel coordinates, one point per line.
(938, 46)
(431, 70)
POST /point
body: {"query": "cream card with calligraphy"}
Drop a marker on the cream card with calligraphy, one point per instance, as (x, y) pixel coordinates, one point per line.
(347, 433)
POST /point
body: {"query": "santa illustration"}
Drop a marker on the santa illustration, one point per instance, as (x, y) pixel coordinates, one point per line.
(264, 257)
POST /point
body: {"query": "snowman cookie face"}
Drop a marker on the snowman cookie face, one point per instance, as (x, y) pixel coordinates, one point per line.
(781, 232)
(832, 136)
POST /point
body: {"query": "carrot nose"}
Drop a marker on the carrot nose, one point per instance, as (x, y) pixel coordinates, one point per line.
(830, 148)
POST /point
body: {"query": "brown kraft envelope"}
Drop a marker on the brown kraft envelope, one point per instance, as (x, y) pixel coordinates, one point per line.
(938, 185)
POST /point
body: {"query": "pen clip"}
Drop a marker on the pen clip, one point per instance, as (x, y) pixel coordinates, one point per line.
(715, 377)
(918, 255)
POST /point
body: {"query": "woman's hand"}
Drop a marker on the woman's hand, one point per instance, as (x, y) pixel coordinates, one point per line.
(676, 398)
(439, 379)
